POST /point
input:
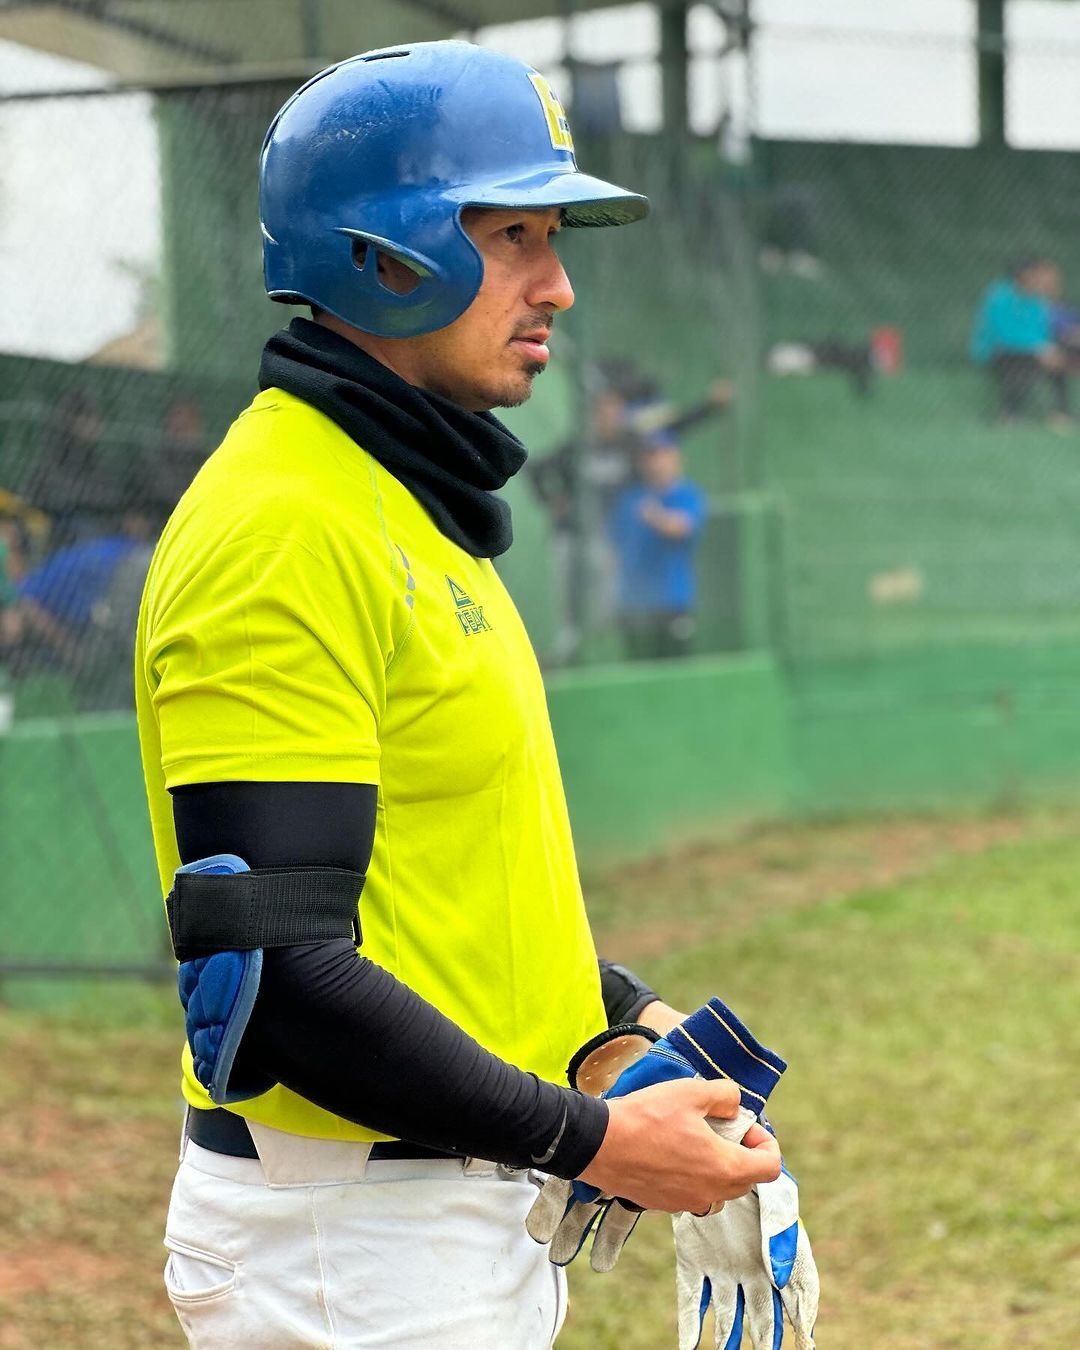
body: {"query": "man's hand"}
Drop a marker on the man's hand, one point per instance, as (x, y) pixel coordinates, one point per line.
(668, 1097)
(722, 393)
(670, 523)
(694, 1169)
(1051, 357)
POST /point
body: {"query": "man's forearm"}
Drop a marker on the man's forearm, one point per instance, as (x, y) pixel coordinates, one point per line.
(660, 1016)
(345, 1034)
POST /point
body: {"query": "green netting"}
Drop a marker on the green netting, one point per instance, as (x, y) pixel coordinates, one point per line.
(866, 507)
(911, 515)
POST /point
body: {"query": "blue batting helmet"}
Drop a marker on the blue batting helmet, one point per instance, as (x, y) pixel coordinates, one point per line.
(385, 150)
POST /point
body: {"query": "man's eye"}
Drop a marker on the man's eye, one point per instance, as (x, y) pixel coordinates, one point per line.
(514, 232)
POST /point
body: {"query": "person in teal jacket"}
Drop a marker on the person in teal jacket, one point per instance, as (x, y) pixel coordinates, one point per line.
(1013, 338)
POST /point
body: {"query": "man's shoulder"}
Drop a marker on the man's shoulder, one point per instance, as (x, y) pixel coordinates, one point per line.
(282, 454)
(1002, 292)
(288, 476)
(284, 430)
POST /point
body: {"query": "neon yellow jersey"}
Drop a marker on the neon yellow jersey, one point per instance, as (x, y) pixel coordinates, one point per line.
(304, 620)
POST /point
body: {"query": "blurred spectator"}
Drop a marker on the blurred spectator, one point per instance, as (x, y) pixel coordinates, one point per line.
(13, 547)
(790, 231)
(580, 482)
(71, 479)
(1064, 317)
(855, 359)
(180, 455)
(1013, 338)
(654, 528)
(76, 611)
(31, 525)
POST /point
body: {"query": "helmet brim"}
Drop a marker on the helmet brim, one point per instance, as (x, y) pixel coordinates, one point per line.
(585, 200)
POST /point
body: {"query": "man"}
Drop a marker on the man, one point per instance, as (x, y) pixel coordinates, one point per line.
(654, 527)
(580, 481)
(67, 610)
(1013, 338)
(333, 685)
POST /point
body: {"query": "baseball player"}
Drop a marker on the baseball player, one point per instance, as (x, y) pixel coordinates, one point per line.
(355, 799)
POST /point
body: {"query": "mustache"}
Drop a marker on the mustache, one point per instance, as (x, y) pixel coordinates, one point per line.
(538, 319)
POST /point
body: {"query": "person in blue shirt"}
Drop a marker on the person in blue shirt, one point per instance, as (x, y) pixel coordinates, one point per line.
(72, 612)
(1064, 318)
(1013, 339)
(654, 527)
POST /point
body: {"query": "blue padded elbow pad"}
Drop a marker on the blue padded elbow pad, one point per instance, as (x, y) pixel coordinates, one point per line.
(218, 993)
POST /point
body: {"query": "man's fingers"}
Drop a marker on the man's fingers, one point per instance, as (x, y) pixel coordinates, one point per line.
(759, 1137)
(715, 1097)
(748, 1166)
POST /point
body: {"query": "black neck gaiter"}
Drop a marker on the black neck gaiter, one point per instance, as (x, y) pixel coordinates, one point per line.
(451, 460)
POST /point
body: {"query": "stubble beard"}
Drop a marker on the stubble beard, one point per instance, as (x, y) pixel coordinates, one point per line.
(509, 393)
(514, 396)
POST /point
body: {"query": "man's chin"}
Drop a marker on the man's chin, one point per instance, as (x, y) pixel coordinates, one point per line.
(513, 395)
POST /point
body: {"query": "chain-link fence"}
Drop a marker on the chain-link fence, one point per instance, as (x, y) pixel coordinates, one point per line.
(791, 332)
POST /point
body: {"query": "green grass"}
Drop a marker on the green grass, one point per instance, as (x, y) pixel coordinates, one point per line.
(930, 1111)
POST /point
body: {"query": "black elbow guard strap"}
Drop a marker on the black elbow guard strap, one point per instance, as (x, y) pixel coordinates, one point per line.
(221, 917)
(212, 911)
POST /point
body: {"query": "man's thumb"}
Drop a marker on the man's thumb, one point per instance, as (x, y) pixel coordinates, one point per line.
(717, 1097)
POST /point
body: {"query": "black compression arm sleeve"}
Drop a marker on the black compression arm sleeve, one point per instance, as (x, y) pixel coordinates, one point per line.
(343, 1032)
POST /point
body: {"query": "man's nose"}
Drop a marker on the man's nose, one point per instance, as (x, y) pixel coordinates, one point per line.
(551, 287)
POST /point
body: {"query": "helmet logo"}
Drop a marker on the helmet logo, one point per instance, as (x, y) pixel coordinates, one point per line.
(558, 126)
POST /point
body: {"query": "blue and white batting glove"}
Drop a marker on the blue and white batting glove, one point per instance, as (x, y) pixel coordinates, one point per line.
(711, 1043)
(752, 1261)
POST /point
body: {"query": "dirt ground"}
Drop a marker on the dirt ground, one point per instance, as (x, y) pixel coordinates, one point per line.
(652, 908)
(88, 1137)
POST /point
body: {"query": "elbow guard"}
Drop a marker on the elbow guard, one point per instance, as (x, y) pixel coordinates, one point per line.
(222, 915)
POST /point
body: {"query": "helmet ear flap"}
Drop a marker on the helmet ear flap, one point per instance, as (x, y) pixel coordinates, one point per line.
(367, 249)
(439, 281)
(406, 276)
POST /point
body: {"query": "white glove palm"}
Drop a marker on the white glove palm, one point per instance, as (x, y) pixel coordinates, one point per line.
(752, 1261)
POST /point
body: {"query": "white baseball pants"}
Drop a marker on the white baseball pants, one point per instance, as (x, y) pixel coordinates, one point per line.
(399, 1255)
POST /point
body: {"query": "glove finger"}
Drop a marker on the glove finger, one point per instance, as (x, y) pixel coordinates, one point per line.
(548, 1209)
(764, 1315)
(801, 1296)
(694, 1296)
(701, 1277)
(729, 1326)
(573, 1231)
(616, 1225)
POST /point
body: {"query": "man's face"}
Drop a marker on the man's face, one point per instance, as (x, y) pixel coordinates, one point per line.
(608, 416)
(661, 466)
(1050, 283)
(1037, 279)
(489, 357)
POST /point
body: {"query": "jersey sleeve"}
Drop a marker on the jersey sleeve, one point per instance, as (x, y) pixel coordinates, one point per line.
(266, 658)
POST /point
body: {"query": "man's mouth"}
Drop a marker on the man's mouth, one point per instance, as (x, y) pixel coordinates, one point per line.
(533, 344)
